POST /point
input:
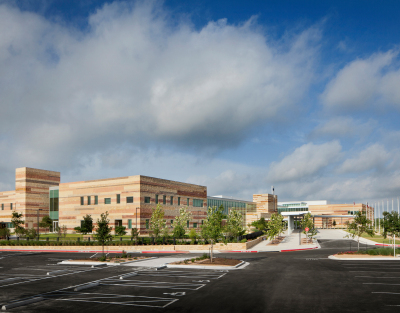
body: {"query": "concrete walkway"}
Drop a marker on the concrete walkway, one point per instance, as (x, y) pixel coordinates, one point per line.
(289, 243)
(155, 262)
(337, 234)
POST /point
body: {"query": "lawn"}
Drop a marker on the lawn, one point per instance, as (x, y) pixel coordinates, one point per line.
(379, 239)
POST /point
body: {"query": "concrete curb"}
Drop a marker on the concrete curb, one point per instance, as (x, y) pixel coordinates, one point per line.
(20, 303)
(288, 250)
(102, 263)
(332, 257)
(216, 267)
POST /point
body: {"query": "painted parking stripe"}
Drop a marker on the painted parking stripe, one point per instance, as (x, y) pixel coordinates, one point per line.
(151, 284)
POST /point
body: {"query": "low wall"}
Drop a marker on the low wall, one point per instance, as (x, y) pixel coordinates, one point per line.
(251, 244)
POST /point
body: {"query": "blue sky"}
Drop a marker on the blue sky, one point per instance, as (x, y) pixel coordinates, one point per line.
(234, 95)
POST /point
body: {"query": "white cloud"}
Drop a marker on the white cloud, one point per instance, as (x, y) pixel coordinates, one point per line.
(365, 82)
(136, 78)
(305, 161)
(373, 157)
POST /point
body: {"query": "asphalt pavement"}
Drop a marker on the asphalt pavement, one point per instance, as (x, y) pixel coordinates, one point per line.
(297, 281)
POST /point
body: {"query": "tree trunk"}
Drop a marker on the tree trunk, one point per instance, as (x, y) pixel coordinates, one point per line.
(358, 248)
(211, 251)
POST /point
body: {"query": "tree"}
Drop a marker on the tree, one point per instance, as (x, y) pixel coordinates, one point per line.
(86, 225)
(234, 224)
(4, 232)
(193, 236)
(260, 224)
(307, 222)
(157, 222)
(181, 222)
(135, 234)
(31, 233)
(391, 226)
(212, 228)
(17, 222)
(360, 225)
(120, 230)
(103, 230)
(46, 222)
(275, 226)
(334, 223)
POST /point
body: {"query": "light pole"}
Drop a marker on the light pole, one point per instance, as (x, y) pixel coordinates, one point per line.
(38, 221)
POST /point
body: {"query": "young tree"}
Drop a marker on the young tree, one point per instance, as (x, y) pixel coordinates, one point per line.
(391, 226)
(307, 222)
(275, 226)
(4, 232)
(46, 222)
(157, 222)
(120, 230)
(212, 227)
(135, 234)
(360, 225)
(103, 230)
(87, 225)
(193, 235)
(260, 224)
(234, 224)
(180, 222)
(17, 222)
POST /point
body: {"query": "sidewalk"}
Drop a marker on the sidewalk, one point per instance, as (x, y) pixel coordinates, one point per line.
(290, 243)
(337, 234)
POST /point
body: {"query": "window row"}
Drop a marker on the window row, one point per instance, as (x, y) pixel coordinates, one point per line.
(106, 200)
(3, 206)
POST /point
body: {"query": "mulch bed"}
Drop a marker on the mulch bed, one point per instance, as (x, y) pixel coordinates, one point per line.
(305, 241)
(276, 241)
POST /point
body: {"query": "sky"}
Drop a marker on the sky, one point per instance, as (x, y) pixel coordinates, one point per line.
(237, 95)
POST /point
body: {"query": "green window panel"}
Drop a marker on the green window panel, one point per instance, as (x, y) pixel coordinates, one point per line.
(2, 206)
(179, 200)
(171, 200)
(129, 199)
(96, 199)
(129, 224)
(107, 200)
(11, 206)
(194, 225)
(187, 224)
(147, 224)
(146, 199)
(172, 222)
(88, 200)
(118, 198)
(53, 215)
(197, 203)
(82, 200)
(9, 225)
(164, 199)
(156, 199)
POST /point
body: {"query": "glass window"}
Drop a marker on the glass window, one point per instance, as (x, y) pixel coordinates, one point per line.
(147, 224)
(156, 199)
(202, 222)
(179, 200)
(171, 200)
(164, 199)
(129, 224)
(11, 206)
(119, 199)
(55, 204)
(129, 199)
(187, 202)
(194, 225)
(2, 206)
(146, 199)
(197, 203)
(88, 200)
(172, 222)
(187, 224)
(82, 200)
(107, 200)
(96, 200)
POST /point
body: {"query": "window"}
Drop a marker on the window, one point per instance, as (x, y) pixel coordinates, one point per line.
(146, 199)
(156, 199)
(202, 222)
(129, 199)
(179, 200)
(2, 206)
(164, 199)
(197, 203)
(194, 225)
(88, 200)
(96, 200)
(10, 206)
(82, 223)
(147, 224)
(187, 224)
(171, 200)
(187, 202)
(172, 222)
(129, 224)
(118, 223)
(107, 200)
(119, 199)
(82, 201)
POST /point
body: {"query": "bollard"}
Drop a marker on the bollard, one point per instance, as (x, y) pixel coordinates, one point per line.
(174, 241)
(17, 238)
(163, 240)
(27, 238)
(120, 238)
(79, 239)
(131, 238)
(47, 238)
(58, 239)
(152, 240)
(88, 239)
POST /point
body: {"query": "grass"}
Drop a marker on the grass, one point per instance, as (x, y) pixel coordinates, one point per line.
(378, 238)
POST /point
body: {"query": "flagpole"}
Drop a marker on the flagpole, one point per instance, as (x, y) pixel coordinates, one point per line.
(379, 214)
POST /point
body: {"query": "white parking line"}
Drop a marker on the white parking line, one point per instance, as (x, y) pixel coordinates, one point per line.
(151, 284)
(381, 284)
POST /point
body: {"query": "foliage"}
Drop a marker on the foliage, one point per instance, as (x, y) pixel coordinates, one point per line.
(180, 222)
(334, 223)
(4, 232)
(120, 230)
(64, 230)
(275, 225)
(135, 234)
(31, 233)
(46, 222)
(193, 235)
(360, 225)
(157, 222)
(391, 224)
(234, 224)
(212, 227)
(103, 230)
(17, 222)
(165, 232)
(260, 224)
(307, 221)
(86, 225)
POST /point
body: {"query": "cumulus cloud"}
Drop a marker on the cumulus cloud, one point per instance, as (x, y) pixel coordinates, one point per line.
(364, 83)
(137, 78)
(305, 161)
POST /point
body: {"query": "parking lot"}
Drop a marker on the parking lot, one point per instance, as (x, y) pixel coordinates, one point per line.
(302, 281)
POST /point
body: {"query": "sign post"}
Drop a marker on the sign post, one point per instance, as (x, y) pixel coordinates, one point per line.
(306, 229)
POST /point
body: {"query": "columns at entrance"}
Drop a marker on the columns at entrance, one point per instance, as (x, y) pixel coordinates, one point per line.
(290, 224)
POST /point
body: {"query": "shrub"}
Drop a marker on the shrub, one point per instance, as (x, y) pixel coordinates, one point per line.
(244, 240)
(102, 258)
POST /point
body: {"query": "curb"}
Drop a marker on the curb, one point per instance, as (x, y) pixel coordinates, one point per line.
(101, 263)
(216, 267)
(288, 250)
(332, 257)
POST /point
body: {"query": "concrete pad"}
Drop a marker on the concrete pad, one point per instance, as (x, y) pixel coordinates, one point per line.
(156, 262)
(211, 267)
